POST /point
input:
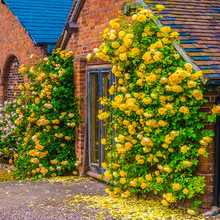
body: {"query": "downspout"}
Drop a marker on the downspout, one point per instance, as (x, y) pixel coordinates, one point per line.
(215, 206)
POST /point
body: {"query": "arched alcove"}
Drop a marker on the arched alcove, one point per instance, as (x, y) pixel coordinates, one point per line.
(11, 79)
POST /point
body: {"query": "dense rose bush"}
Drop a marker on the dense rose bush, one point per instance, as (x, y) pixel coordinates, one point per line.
(45, 116)
(156, 138)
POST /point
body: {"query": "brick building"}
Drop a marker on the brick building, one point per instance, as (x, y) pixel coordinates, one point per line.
(33, 27)
(27, 28)
(198, 25)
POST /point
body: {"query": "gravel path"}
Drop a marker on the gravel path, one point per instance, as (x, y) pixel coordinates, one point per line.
(48, 199)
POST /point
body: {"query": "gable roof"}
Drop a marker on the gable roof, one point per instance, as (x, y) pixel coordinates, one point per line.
(198, 23)
(43, 19)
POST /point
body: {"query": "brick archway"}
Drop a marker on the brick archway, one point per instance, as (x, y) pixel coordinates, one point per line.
(10, 79)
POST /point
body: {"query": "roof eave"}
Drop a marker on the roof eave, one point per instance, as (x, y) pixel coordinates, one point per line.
(71, 26)
(213, 83)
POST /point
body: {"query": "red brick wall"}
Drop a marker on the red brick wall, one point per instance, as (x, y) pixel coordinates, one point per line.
(14, 42)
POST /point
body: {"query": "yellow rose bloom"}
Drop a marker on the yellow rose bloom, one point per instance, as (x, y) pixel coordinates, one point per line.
(67, 138)
(115, 174)
(135, 52)
(186, 191)
(21, 87)
(115, 25)
(122, 173)
(188, 66)
(159, 7)
(127, 42)
(177, 186)
(143, 185)
(123, 56)
(166, 29)
(115, 45)
(197, 94)
(122, 180)
(34, 160)
(174, 34)
(103, 141)
(127, 193)
(159, 179)
(147, 100)
(37, 100)
(162, 111)
(121, 35)
(216, 109)
(89, 57)
(104, 165)
(184, 110)
(182, 98)
(187, 163)
(141, 18)
(184, 149)
(202, 151)
(148, 177)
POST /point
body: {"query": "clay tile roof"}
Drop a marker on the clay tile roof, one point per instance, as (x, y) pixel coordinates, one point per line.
(198, 23)
(43, 19)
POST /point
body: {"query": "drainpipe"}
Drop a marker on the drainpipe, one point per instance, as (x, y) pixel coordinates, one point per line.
(215, 206)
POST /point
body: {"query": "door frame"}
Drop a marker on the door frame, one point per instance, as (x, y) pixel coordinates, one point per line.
(96, 70)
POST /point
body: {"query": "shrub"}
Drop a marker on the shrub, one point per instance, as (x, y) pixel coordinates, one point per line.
(47, 114)
(8, 130)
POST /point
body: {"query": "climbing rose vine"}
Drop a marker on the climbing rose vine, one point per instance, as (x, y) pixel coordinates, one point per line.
(45, 117)
(156, 137)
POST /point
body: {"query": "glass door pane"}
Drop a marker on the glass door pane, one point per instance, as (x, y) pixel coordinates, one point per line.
(99, 84)
(93, 118)
(105, 92)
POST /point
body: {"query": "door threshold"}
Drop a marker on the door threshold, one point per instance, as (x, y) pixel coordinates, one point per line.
(95, 176)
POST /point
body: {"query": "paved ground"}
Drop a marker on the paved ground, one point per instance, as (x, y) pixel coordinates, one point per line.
(48, 199)
(75, 198)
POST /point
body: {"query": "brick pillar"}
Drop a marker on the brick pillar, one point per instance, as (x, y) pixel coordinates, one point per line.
(80, 94)
(207, 167)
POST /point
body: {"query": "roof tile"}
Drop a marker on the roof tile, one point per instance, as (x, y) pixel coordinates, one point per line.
(198, 22)
(43, 19)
